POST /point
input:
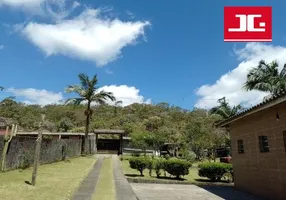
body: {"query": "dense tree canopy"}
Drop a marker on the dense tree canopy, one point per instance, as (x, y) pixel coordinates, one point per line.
(157, 123)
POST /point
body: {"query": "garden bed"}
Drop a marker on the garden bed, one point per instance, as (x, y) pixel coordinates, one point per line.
(134, 176)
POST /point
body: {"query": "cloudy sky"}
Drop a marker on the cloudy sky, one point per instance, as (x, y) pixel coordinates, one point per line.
(144, 51)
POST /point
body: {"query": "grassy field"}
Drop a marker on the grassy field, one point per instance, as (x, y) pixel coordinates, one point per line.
(105, 188)
(191, 177)
(57, 181)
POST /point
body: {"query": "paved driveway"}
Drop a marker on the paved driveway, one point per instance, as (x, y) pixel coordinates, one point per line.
(186, 192)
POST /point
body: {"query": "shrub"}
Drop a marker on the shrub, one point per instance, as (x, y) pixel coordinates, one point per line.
(158, 165)
(214, 171)
(140, 163)
(149, 163)
(177, 167)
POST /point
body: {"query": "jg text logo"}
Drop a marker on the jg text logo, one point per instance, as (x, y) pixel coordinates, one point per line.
(248, 24)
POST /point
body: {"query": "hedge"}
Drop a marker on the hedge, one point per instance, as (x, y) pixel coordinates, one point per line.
(214, 171)
(174, 167)
(177, 167)
(140, 163)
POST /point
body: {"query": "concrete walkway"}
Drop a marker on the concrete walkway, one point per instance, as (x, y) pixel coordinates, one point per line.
(187, 192)
(87, 187)
(123, 188)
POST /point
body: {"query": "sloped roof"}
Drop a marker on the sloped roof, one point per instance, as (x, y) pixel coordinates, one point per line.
(266, 103)
(108, 131)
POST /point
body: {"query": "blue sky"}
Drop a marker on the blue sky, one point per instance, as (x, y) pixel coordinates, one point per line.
(143, 51)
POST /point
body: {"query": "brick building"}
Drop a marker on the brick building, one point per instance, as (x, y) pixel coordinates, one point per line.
(258, 140)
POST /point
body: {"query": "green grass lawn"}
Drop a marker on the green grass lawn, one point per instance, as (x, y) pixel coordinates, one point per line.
(57, 181)
(105, 188)
(193, 173)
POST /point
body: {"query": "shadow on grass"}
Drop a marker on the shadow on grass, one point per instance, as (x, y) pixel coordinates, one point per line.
(28, 182)
(170, 178)
(155, 177)
(134, 175)
(209, 181)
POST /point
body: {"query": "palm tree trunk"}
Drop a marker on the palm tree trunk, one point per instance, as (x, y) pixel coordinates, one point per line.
(85, 141)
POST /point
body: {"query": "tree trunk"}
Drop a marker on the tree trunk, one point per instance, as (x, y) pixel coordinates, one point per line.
(7, 140)
(37, 152)
(87, 121)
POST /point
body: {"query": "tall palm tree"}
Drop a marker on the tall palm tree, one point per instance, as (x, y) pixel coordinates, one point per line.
(267, 78)
(1, 88)
(88, 92)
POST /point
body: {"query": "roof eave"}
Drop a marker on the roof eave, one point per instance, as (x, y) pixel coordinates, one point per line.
(255, 110)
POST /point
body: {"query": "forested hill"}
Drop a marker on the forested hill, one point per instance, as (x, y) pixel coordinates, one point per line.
(166, 123)
(71, 118)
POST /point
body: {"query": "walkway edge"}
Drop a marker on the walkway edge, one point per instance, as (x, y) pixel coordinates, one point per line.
(88, 185)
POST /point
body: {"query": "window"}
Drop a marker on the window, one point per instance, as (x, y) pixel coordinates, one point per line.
(263, 144)
(240, 147)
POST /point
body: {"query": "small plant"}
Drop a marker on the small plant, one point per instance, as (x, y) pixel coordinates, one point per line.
(177, 167)
(139, 163)
(214, 171)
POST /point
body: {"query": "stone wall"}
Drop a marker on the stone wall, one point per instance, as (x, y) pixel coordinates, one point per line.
(21, 150)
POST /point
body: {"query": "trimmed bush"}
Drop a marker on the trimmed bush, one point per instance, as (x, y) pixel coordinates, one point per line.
(214, 171)
(158, 165)
(177, 167)
(140, 163)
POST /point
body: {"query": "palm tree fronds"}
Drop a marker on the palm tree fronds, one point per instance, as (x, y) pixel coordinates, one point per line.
(74, 101)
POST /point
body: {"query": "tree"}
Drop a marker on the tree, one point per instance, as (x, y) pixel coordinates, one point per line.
(155, 140)
(116, 105)
(225, 110)
(139, 140)
(1, 88)
(38, 151)
(65, 124)
(153, 123)
(88, 92)
(267, 78)
(202, 136)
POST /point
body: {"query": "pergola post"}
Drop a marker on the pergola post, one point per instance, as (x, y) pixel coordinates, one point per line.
(121, 144)
(96, 142)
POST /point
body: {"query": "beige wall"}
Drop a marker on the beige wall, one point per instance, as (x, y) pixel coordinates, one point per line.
(263, 174)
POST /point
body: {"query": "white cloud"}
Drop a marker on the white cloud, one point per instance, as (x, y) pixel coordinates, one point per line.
(23, 4)
(35, 96)
(230, 84)
(128, 95)
(89, 36)
(56, 9)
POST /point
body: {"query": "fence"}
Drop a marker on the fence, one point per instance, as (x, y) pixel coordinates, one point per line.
(21, 150)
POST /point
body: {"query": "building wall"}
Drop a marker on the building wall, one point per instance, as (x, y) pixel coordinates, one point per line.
(262, 174)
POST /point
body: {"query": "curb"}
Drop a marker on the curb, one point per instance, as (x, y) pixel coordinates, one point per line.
(156, 181)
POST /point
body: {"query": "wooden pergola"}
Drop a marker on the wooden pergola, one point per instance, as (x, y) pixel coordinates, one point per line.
(121, 133)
